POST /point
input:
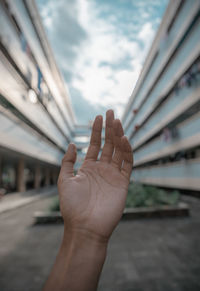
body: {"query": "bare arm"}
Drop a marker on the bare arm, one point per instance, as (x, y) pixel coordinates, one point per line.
(92, 204)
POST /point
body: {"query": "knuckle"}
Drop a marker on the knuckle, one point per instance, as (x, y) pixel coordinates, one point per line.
(64, 159)
(60, 180)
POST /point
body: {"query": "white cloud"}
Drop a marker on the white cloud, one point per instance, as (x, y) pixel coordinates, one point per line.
(146, 35)
(96, 59)
(104, 85)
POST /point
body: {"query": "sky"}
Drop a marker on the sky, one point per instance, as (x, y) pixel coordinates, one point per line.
(100, 47)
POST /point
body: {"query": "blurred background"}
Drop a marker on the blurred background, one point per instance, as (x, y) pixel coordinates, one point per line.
(63, 62)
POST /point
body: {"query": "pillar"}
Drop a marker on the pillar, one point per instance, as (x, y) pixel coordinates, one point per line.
(47, 177)
(55, 177)
(37, 178)
(21, 187)
(1, 170)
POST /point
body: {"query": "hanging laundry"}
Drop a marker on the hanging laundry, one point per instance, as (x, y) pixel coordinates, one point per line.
(136, 126)
(29, 75)
(198, 67)
(50, 97)
(166, 134)
(188, 77)
(176, 89)
(194, 70)
(39, 78)
(181, 155)
(182, 82)
(24, 45)
(28, 50)
(174, 133)
(23, 42)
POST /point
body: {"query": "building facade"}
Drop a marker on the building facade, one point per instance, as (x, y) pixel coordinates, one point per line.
(36, 117)
(162, 118)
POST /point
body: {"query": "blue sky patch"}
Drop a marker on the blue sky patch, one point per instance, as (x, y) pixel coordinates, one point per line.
(100, 47)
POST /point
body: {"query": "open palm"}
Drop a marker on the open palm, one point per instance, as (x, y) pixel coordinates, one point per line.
(94, 199)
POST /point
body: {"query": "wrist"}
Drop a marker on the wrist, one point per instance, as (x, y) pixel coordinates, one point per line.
(84, 247)
(84, 236)
(81, 253)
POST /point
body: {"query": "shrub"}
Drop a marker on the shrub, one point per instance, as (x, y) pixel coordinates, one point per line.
(55, 204)
(142, 196)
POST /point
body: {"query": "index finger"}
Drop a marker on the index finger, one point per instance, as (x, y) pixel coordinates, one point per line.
(107, 151)
(95, 140)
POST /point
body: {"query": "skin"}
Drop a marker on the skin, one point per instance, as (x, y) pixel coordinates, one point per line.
(91, 204)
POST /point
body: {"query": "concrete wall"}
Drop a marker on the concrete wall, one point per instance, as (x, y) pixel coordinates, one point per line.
(162, 118)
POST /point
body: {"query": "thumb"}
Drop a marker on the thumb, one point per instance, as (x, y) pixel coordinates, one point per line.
(68, 161)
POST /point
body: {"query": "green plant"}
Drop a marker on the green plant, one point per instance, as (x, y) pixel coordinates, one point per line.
(55, 204)
(145, 196)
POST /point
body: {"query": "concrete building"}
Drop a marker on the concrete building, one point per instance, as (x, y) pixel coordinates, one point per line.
(162, 118)
(36, 117)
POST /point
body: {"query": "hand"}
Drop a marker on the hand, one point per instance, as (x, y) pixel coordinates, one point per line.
(92, 202)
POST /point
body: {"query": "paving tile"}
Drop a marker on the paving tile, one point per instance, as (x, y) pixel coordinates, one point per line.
(143, 255)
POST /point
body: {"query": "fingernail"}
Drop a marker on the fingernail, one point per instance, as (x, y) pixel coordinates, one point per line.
(71, 147)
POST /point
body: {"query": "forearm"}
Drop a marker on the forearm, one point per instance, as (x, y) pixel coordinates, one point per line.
(78, 264)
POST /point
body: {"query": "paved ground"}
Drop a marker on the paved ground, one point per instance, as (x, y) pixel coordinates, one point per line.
(14, 200)
(154, 254)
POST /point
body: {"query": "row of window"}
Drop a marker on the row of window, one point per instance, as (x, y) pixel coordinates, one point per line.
(171, 59)
(41, 93)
